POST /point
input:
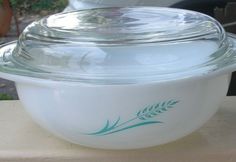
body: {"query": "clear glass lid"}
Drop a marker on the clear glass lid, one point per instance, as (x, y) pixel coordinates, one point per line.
(119, 45)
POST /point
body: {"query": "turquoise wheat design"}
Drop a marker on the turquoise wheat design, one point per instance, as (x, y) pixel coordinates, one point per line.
(143, 117)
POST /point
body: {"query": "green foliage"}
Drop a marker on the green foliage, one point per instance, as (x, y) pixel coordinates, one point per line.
(48, 4)
(13, 2)
(35, 6)
(4, 96)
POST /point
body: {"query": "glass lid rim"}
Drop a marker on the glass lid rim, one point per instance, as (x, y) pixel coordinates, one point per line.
(14, 69)
(17, 67)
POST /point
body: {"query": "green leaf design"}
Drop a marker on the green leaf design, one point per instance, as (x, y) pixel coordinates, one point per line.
(156, 109)
(107, 127)
(132, 126)
(145, 114)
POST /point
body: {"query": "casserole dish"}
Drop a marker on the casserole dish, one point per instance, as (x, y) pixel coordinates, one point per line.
(121, 78)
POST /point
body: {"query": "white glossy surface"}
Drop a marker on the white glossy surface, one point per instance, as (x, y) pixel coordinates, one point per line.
(69, 111)
(24, 141)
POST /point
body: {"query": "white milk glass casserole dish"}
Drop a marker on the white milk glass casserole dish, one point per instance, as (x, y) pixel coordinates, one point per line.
(121, 78)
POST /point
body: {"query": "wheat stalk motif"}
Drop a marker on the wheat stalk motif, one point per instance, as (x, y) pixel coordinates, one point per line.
(143, 117)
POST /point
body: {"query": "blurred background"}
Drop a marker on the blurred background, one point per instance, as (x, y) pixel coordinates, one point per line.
(15, 15)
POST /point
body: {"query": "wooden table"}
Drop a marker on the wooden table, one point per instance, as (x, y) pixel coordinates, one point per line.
(21, 140)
